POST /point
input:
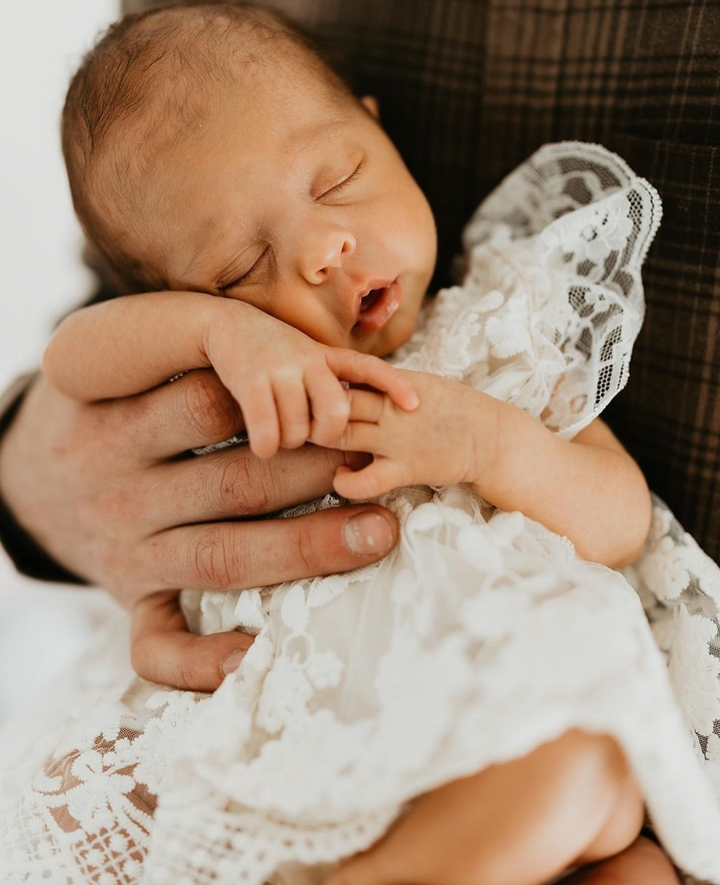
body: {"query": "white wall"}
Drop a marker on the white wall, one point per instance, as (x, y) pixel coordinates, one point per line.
(41, 42)
(39, 48)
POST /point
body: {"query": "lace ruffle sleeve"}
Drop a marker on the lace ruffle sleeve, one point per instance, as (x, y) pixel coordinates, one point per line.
(552, 299)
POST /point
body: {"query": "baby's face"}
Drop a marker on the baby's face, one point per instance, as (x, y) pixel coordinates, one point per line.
(294, 200)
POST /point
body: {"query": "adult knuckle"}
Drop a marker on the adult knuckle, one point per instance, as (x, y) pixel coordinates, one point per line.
(216, 561)
(306, 552)
(240, 486)
(188, 674)
(209, 407)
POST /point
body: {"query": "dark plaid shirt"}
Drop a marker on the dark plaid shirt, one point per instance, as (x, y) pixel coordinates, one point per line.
(470, 88)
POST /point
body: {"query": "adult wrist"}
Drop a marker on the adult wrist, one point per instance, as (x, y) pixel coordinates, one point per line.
(25, 553)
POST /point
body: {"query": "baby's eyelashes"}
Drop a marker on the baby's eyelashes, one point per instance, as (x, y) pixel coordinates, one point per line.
(341, 185)
(247, 276)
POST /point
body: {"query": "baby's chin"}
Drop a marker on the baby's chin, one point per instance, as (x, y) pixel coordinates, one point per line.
(389, 339)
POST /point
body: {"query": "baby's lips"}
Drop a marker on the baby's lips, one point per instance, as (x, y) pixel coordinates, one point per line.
(381, 304)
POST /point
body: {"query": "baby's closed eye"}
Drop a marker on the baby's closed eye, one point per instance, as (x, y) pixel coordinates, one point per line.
(248, 275)
(344, 182)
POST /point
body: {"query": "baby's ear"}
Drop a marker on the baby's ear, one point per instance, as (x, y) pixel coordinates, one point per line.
(370, 103)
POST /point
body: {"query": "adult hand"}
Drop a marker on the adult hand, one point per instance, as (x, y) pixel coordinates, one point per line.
(105, 490)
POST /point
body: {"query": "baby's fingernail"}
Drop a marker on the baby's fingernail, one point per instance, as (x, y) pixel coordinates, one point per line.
(233, 660)
(368, 533)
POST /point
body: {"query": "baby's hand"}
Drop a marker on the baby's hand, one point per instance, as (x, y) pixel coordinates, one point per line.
(291, 389)
(451, 437)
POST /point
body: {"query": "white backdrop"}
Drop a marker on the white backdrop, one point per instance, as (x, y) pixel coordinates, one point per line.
(41, 43)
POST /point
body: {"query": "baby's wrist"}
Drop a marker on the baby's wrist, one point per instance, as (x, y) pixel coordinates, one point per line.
(486, 439)
(509, 456)
(220, 316)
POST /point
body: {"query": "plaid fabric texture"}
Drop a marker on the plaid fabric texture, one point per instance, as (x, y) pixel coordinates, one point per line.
(470, 88)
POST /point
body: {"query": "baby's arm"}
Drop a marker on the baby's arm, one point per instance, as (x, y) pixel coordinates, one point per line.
(589, 490)
(288, 386)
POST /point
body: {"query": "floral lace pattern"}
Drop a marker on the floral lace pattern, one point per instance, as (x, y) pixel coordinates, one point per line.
(481, 636)
(679, 586)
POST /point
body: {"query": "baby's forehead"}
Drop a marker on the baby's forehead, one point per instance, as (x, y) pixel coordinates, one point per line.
(274, 88)
(183, 99)
(155, 152)
(154, 80)
(215, 52)
(171, 67)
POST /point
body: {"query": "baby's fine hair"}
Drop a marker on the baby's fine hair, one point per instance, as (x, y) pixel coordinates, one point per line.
(149, 77)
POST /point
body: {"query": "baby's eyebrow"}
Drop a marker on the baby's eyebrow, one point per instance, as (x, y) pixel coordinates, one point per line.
(308, 136)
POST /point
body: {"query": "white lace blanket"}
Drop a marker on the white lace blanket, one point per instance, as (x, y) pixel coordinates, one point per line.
(477, 639)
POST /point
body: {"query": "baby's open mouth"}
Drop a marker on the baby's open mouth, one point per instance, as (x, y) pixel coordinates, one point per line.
(368, 300)
(377, 306)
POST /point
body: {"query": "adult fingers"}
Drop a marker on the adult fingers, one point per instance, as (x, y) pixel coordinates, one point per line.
(233, 483)
(238, 555)
(194, 411)
(164, 651)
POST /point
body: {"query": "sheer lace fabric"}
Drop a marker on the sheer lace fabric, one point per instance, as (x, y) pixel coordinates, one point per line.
(480, 637)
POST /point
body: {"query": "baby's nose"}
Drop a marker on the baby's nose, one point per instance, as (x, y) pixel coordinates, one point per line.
(322, 251)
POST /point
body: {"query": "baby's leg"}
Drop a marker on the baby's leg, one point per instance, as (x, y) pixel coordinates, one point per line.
(570, 802)
(643, 863)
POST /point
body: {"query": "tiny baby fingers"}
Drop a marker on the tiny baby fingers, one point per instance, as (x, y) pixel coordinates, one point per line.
(329, 404)
(361, 368)
(293, 410)
(261, 418)
(381, 476)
